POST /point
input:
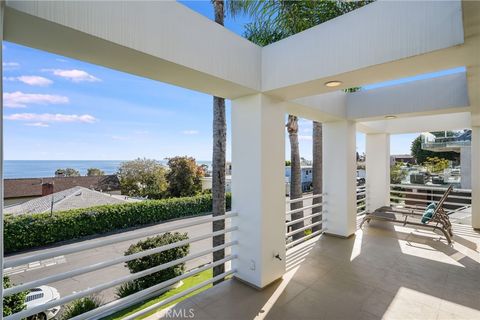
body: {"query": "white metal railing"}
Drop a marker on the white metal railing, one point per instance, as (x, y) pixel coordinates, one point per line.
(134, 298)
(418, 197)
(361, 202)
(307, 220)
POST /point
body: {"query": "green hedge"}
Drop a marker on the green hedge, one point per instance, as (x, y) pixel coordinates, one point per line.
(35, 230)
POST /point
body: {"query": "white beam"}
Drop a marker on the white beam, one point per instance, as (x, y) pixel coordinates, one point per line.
(443, 94)
(382, 41)
(258, 185)
(437, 122)
(339, 177)
(160, 40)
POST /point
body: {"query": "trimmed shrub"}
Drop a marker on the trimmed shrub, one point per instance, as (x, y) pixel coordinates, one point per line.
(154, 260)
(15, 302)
(34, 230)
(79, 306)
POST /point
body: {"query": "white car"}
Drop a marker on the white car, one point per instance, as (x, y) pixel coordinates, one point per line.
(39, 296)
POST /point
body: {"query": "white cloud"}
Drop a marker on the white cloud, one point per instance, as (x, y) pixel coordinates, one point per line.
(37, 124)
(74, 75)
(31, 80)
(19, 99)
(10, 65)
(49, 117)
(190, 132)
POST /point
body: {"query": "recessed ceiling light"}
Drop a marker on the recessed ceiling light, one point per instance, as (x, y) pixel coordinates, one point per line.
(390, 117)
(334, 83)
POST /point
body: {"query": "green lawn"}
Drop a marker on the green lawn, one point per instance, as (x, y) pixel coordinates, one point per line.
(187, 283)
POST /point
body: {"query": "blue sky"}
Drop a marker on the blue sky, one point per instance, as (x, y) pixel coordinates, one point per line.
(64, 109)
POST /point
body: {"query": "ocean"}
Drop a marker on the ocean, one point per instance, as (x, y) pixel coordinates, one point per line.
(47, 168)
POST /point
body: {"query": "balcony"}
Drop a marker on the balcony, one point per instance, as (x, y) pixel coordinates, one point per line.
(317, 264)
(383, 271)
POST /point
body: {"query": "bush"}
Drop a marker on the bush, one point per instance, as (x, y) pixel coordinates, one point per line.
(15, 302)
(80, 306)
(154, 260)
(34, 230)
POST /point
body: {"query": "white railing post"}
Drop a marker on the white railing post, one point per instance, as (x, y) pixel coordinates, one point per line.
(377, 170)
(475, 177)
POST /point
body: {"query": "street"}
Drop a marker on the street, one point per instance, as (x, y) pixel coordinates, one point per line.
(44, 268)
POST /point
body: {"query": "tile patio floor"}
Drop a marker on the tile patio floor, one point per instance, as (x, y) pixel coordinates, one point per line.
(383, 271)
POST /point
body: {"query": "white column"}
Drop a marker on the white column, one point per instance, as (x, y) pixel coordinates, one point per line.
(258, 188)
(475, 181)
(377, 170)
(339, 177)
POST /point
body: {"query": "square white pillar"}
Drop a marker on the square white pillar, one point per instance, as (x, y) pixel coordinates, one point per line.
(475, 181)
(377, 170)
(339, 177)
(258, 188)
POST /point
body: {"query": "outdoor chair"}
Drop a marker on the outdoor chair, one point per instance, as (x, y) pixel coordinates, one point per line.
(434, 217)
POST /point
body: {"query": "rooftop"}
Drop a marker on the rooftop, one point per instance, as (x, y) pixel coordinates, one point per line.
(73, 198)
(32, 187)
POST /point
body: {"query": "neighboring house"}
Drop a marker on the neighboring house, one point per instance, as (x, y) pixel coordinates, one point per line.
(207, 183)
(73, 198)
(403, 158)
(306, 177)
(25, 189)
(459, 142)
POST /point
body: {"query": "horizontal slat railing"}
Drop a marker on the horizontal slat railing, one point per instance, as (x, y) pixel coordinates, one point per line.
(418, 197)
(9, 263)
(308, 214)
(103, 264)
(361, 196)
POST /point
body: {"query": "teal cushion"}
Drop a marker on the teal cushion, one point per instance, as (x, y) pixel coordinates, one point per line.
(427, 215)
(431, 206)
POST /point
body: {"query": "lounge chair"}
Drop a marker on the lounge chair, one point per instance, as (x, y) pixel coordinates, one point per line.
(434, 219)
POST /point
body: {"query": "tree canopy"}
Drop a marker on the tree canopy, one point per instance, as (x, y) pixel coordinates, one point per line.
(95, 172)
(421, 155)
(278, 19)
(68, 172)
(142, 178)
(184, 177)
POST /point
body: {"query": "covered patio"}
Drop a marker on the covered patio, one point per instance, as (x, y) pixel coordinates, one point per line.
(337, 271)
(382, 272)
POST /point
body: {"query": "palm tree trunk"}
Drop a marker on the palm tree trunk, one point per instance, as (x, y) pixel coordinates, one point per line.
(317, 171)
(295, 174)
(218, 162)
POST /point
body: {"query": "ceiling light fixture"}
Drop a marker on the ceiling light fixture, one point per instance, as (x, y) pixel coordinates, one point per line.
(334, 83)
(390, 117)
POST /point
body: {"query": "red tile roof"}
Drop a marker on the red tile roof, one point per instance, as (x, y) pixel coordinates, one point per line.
(32, 187)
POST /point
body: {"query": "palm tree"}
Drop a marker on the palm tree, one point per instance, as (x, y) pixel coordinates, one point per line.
(295, 174)
(317, 180)
(219, 147)
(218, 160)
